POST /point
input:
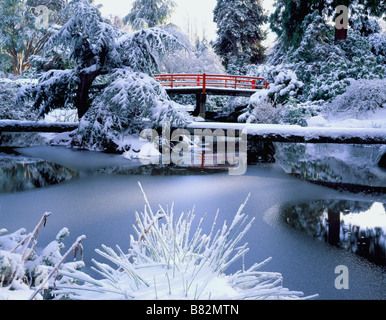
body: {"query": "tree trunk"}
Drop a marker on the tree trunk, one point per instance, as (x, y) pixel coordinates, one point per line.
(81, 100)
(333, 227)
(340, 34)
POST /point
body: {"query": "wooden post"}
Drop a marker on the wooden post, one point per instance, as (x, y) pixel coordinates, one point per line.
(200, 105)
(203, 83)
(340, 34)
(333, 227)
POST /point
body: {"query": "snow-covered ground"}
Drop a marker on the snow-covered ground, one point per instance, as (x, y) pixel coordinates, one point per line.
(376, 119)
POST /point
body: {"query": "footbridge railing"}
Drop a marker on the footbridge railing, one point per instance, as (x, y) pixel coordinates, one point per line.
(205, 81)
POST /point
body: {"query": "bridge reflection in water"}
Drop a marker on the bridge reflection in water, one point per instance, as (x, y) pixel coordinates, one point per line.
(357, 226)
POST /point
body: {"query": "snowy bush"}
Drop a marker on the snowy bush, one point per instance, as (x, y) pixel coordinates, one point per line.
(279, 103)
(261, 109)
(360, 98)
(8, 94)
(169, 261)
(299, 112)
(24, 272)
(166, 260)
(283, 82)
(285, 86)
(378, 44)
(363, 23)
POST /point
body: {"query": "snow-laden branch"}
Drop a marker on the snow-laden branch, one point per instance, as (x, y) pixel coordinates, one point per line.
(74, 248)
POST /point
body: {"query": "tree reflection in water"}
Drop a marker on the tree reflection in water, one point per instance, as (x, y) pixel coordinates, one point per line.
(337, 165)
(18, 173)
(353, 225)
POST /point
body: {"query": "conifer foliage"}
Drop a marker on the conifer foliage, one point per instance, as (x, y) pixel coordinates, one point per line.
(149, 13)
(239, 33)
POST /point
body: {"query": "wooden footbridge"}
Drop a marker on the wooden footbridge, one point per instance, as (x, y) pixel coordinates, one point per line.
(210, 84)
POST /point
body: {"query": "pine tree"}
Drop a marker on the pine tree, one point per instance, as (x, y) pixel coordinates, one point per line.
(240, 36)
(149, 13)
(287, 19)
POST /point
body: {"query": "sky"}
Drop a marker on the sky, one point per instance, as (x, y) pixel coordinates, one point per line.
(192, 16)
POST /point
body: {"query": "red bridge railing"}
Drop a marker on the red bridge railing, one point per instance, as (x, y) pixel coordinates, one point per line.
(213, 81)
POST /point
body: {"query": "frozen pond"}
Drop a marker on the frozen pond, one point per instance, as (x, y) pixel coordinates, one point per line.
(101, 205)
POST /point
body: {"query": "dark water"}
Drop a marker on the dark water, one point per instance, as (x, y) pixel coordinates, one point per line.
(356, 226)
(101, 205)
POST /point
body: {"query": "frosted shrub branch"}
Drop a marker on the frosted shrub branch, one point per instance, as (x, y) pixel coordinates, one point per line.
(74, 248)
(169, 260)
(24, 272)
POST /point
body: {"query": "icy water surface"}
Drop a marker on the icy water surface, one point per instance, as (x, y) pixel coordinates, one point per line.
(101, 205)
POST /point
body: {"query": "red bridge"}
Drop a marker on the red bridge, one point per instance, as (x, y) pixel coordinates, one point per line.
(206, 82)
(203, 84)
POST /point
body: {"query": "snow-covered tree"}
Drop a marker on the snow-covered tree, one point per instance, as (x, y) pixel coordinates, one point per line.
(122, 64)
(287, 19)
(239, 32)
(149, 13)
(199, 58)
(326, 65)
(305, 78)
(25, 29)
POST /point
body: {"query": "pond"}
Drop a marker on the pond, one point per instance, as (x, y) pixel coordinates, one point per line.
(100, 200)
(20, 173)
(357, 226)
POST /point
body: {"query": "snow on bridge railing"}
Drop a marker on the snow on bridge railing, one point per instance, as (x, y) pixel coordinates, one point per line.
(209, 80)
